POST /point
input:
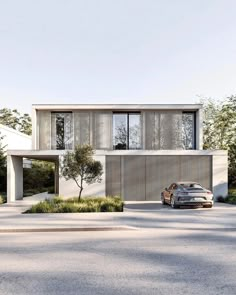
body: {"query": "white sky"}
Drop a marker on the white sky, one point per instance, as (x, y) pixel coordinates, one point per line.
(123, 51)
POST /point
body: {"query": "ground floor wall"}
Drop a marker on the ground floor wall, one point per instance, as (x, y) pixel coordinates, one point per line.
(140, 176)
(134, 175)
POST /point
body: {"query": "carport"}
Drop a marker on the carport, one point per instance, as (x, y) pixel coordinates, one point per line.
(15, 170)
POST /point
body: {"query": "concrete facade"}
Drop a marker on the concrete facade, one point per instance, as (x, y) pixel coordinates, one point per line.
(128, 168)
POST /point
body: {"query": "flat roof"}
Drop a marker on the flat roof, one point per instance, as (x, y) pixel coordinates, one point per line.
(117, 106)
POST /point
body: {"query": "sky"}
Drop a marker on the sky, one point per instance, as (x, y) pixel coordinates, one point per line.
(123, 51)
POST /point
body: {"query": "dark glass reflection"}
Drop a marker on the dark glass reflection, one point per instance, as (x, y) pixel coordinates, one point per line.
(188, 128)
(120, 131)
(126, 131)
(63, 134)
(134, 131)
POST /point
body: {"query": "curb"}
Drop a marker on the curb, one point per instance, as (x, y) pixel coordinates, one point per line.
(71, 229)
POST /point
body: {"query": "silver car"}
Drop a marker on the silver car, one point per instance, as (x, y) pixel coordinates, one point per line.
(187, 193)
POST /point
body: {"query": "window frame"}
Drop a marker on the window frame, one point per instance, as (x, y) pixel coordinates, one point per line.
(128, 114)
(72, 124)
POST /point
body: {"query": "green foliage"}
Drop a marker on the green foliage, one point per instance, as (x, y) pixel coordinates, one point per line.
(81, 167)
(3, 166)
(39, 178)
(219, 127)
(72, 205)
(3, 199)
(13, 119)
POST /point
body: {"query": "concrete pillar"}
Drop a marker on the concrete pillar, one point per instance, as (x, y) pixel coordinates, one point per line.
(220, 175)
(14, 178)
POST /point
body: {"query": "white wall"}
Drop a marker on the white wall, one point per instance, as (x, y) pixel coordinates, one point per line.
(70, 189)
(220, 175)
(14, 140)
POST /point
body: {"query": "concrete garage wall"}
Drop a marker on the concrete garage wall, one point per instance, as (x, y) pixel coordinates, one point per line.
(70, 189)
(133, 177)
(160, 172)
(113, 175)
(220, 175)
(142, 178)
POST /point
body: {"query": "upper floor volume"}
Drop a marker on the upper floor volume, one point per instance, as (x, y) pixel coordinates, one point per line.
(118, 127)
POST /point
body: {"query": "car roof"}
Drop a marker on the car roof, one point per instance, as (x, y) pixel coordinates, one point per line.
(185, 182)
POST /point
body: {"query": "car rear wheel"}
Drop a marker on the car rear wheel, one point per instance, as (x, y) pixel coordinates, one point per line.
(207, 206)
(173, 204)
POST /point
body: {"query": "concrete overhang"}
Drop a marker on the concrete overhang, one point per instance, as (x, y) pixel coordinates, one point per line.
(116, 107)
(44, 155)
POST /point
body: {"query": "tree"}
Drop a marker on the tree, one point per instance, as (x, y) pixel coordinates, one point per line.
(81, 167)
(3, 166)
(219, 128)
(40, 177)
(13, 119)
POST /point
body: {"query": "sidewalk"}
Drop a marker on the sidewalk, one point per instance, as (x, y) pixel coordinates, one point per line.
(145, 215)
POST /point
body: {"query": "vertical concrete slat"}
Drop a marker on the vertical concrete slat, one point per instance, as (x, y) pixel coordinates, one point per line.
(171, 130)
(102, 130)
(81, 128)
(44, 119)
(198, 169)
(161, 171)
(113, 175)
(134, 178)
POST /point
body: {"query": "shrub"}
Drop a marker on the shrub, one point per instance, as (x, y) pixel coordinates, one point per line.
(231, 199)
(221, 199)
(51, 190)
(3, 199)
(92, 204)
(41, 207)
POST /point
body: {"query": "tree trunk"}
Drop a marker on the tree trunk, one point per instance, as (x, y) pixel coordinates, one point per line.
(80, 192)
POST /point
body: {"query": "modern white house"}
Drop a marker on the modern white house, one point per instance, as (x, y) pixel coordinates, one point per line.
(143, 148)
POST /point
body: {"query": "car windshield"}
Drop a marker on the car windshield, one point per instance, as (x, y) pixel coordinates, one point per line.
(191, 185)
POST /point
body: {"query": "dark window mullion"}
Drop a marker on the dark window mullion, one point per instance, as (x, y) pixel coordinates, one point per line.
(128, 131)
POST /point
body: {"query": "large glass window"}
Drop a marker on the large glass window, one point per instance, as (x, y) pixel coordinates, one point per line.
(188, 128)
(126, 131)
(62, 131)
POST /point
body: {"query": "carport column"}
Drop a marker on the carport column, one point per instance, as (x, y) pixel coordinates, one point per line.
(14, 178)
(220, 175)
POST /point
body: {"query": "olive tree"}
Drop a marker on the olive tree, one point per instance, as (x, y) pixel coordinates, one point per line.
(80, 166)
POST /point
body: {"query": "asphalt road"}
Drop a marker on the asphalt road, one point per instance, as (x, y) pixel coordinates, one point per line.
(145, 261)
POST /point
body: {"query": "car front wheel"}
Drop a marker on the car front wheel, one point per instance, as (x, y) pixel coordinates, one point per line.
(172, 203)
(163, 200)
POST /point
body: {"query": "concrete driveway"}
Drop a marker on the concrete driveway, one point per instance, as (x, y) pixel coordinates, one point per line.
(139, 215)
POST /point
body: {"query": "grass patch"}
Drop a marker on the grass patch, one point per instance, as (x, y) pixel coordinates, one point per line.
(3, 199)
(90, 204)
